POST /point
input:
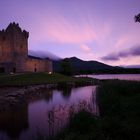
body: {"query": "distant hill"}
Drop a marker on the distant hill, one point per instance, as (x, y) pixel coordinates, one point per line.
(79, 65)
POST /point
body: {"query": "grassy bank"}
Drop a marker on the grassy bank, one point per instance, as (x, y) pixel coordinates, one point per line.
(40, 78)
(119, 103)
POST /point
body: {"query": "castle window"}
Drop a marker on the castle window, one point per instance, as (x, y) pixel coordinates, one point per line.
(3, 38)
(35, 69)
(14, 70)
(2, 69)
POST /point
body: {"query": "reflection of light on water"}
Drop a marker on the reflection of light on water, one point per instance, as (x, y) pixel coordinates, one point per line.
(60, 115)
(133, 77)
(49, 113)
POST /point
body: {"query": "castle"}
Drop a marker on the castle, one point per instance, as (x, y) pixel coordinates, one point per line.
(14, 52)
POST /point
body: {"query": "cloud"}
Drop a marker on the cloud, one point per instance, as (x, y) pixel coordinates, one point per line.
(110, 57)
(62, 30)
(122, 41)
(43, 54)
(71, 29)
(133, 51)
(85, 48)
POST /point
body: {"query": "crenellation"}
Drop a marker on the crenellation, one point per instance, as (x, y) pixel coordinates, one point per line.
(25, 33)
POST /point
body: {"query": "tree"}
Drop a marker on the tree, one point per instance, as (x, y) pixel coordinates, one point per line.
(137, 18)
(66, 67)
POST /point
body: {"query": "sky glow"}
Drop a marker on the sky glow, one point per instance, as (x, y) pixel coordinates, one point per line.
(102, 30)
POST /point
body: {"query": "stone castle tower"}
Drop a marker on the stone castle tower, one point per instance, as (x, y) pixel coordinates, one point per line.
(14, 52)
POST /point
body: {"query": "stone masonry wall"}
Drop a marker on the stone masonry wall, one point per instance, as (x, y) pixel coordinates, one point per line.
(38, 65)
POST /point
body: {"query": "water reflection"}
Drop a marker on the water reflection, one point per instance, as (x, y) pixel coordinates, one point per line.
(66, 93)
(133, 77)
(46, 114)
(14, 122)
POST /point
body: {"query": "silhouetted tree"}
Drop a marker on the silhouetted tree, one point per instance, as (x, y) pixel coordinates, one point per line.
(66, 67)
(137, 18)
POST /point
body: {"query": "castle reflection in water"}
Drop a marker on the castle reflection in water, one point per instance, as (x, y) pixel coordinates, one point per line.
(46, 114)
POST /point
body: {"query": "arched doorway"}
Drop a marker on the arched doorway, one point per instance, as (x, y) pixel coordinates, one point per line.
(14, 70)
(35, 69)
(2, 69)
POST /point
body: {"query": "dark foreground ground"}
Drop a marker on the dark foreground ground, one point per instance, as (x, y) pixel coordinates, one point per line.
(119, 104)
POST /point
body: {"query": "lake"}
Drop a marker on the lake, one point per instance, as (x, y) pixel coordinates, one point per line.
(46, 115)
(133, 77)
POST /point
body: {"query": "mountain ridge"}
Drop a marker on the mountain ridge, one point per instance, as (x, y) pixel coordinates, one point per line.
(78, 65)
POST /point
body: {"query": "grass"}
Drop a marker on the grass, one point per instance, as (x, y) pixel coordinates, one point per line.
(119, 103)
(40, 78)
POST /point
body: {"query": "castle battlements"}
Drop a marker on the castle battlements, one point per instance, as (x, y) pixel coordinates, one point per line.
(14, 28)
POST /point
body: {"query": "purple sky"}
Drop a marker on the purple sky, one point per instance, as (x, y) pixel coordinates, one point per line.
(102, 30)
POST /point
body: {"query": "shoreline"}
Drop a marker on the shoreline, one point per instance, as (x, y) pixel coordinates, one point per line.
(12, 98)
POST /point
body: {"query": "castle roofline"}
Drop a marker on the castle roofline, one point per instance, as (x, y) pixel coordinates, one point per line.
(15, 27)
(12, 26)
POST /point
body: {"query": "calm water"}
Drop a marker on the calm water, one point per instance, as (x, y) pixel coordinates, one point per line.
(47, 114)
(135, 77)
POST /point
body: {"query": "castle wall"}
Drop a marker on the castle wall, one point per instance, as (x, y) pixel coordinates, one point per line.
(38, 65)
(49, 66)
(7, 67)
(6, 54)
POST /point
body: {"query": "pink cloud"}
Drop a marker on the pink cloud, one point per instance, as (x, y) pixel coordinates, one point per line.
(54, 26)
(61, 30)
(85, 48)
(122, 41)
(125, 40)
